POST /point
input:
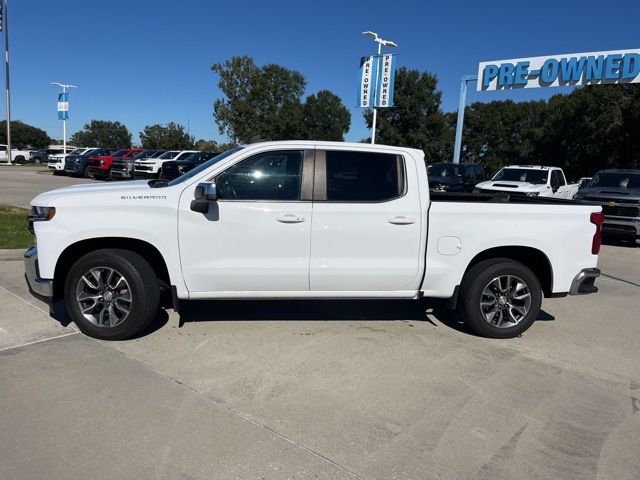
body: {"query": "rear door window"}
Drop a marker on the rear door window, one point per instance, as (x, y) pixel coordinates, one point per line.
(363, 176)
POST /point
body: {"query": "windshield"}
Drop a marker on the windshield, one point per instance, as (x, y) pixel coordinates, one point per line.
(616, 180)
(443, 170)
(145, 154)
(169, 154)
(203, 166)
(77, 151)
(119, 153)
(536, 177)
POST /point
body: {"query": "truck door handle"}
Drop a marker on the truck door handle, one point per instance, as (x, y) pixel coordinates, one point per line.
(290, 218)
(400, 220)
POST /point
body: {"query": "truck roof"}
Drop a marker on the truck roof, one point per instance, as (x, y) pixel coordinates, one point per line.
(533, 167)
(325, 144)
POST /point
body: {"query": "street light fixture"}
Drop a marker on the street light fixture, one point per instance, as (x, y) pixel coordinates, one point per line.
(387, 43)
(64, 121)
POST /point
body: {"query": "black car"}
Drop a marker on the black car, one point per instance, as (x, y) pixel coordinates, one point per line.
(76, 165)
(618, 191)
(449, 177)
(122, 168)
(175, 168)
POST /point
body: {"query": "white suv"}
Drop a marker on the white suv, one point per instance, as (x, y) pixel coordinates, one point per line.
(152, 167)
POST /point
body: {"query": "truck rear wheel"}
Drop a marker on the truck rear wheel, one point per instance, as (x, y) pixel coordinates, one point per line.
(500, 298)
(111, 294)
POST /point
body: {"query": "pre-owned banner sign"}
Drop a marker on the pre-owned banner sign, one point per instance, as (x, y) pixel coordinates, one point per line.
(376, 80)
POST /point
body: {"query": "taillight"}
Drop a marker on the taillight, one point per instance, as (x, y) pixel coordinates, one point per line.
(596, 219)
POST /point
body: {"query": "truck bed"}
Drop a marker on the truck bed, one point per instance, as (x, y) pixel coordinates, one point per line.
(500, 197)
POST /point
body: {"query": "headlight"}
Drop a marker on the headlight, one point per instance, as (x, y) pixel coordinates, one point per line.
(40, 214)
(101, 162)
(476, 190)
(532, 194)
(181, 168)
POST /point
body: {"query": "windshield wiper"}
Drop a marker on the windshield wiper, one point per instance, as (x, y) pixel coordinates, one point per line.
(158, 183)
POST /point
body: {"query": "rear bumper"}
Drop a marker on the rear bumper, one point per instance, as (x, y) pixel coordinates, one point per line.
(40, 288)
(584, 282)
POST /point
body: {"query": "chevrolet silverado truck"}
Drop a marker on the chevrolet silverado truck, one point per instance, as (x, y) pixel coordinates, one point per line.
(530, 181)
(618, 191)
(56, 162)
(306, 220)
(17, 156)
(152, 167)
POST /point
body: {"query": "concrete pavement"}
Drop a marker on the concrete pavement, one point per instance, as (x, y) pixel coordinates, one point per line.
(375, 390)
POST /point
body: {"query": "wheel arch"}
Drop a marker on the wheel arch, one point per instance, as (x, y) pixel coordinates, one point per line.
(534, 259)
(76, 250)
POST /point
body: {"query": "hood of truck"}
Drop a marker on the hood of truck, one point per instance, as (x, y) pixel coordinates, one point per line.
(47, 199)
(509, 186)
(606, 194)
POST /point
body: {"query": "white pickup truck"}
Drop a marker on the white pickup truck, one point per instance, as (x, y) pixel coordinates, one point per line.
(17, 156)
(306, 220)
(152, 167)
(530, 181)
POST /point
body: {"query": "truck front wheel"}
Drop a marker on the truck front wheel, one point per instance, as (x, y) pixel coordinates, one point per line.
(111, 294)
(500, 298)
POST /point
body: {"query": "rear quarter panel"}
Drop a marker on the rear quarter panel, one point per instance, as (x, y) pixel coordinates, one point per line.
(563, 233)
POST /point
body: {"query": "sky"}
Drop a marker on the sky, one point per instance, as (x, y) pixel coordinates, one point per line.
(142, 62)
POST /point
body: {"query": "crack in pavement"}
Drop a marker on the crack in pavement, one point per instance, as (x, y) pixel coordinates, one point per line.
(621, 280)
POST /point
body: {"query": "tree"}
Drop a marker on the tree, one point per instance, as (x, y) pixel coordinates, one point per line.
(24, 135)
(260, 101)
(102, 133)
(171, 136)
(325, 117)
(206, 145)
(416, 120)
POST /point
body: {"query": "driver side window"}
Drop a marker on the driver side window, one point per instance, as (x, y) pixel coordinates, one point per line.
(266, 176)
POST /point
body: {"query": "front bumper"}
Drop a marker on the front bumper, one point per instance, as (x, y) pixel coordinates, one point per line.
(121, 172)
(583, 283)
(59, 166)
(98, 171)
(621, 226)
(39, 287)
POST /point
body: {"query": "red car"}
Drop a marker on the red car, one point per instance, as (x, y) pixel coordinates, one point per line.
(100, 166)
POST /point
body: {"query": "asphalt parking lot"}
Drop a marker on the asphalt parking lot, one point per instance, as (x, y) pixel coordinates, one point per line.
(324, 389)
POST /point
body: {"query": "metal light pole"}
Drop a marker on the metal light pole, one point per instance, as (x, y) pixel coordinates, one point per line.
(387, 43)
(462, 102)
(4, 25)
(64, 121)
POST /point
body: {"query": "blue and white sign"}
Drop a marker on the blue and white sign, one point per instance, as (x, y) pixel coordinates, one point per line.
(368, 79)
(594, 68)
(63, 106)
(376, 80)
(384, 85)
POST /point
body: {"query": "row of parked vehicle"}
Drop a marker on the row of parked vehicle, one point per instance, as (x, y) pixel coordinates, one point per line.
(127, 163)
(617, 190)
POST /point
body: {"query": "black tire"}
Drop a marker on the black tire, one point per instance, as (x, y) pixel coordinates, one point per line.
(20, 160)
(474, 283)
(85, 173)
(143, 285)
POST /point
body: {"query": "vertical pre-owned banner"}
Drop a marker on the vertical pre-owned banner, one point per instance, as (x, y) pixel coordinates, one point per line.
(63, 106)
(384, 87)
(368, 79)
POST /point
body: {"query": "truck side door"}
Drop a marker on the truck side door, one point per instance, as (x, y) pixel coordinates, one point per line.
(256, 236)
(367, 224)
(559, 184)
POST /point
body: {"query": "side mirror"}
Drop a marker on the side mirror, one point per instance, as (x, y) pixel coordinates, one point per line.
(203, 194)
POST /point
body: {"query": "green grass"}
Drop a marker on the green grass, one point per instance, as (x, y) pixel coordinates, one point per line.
(13, 227)
(40, 166)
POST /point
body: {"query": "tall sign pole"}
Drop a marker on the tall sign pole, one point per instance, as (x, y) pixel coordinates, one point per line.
(4, 25)
(376, 80)
(63, 111)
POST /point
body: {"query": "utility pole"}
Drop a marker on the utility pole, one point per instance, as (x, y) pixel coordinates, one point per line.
(387, 43)
(4, 25)
(64, 114)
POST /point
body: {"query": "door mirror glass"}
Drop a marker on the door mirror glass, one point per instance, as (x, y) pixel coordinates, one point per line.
(205, 191)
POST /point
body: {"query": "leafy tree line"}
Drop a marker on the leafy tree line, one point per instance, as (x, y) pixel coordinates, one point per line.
(23, 135)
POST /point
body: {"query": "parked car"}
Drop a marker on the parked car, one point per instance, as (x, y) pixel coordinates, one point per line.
(17, 156)
(174, 168)
(56, 161)
(449, 177)
(100, 165)
(530, 181)
(77, 165)
(584, 182)
(122, 168)
(619, 193)
(152, 167)
(306, 220)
